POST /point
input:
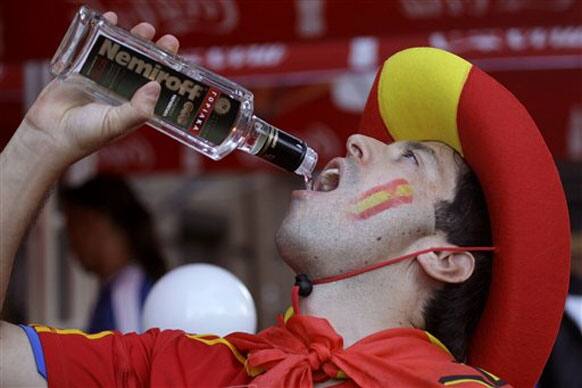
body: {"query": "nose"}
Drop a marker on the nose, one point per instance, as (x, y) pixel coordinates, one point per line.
(358, 147)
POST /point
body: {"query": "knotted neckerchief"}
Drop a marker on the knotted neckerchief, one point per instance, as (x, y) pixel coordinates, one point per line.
(305, 350)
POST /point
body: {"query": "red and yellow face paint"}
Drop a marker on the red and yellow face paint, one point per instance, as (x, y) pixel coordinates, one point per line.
(383, 197)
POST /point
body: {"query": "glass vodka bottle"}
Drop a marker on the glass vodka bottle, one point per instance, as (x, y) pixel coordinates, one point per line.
(196, 107)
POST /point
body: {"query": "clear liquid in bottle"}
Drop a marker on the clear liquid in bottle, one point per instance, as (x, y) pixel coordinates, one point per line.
(196, 107)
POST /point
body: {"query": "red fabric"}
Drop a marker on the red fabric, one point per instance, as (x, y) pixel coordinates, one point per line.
(153, 359)
(371, 123)
(530, 228)
(296, 354)
(307, 350)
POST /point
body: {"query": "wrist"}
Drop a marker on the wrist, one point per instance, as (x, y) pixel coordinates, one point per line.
(36, 147)
(29, 155)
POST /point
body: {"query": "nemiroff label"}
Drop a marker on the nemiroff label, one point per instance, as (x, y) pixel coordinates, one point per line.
(184, 102)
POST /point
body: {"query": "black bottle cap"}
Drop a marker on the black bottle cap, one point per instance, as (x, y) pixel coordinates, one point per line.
(284, 150)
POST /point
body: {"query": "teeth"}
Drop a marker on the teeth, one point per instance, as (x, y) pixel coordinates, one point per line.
(328, 180)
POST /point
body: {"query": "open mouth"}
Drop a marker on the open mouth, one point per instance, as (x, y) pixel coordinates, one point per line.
(329, 178)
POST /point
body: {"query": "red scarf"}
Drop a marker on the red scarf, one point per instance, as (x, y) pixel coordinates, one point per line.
(307, 350)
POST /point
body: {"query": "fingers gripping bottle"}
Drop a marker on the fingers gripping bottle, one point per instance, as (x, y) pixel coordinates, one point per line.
(196, 107)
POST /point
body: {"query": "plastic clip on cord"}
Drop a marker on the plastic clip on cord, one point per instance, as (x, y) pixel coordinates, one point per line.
(304, 285)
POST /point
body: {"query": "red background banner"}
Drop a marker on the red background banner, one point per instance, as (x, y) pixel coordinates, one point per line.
(291, 53)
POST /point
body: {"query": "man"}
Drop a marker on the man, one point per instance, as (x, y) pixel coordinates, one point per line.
(383, 246)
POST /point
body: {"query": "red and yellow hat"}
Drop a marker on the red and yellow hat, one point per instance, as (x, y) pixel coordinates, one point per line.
(430, 94)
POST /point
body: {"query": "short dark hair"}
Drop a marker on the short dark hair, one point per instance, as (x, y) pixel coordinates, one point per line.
(112, 196)
(454, 310)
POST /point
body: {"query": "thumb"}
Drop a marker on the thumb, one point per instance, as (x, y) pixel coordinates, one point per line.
(135, 112)
(145, 98)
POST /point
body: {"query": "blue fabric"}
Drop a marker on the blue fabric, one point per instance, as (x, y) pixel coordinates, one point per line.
(103, 317)
(37, 351)
(146, 287)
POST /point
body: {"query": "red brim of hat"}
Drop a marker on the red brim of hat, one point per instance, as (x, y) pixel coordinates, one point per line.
(430, 94)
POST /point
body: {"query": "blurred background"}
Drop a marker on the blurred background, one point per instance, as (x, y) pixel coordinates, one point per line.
(310, 64)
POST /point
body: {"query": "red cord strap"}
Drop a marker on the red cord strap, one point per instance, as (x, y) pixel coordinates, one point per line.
(304, 285)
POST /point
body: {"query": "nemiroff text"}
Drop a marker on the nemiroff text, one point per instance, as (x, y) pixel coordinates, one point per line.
(112, 51)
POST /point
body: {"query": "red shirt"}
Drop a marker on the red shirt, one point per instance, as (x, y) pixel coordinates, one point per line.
(173, 358)
(156, 358)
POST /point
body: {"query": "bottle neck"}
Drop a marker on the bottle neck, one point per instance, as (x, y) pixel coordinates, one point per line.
(279, 148)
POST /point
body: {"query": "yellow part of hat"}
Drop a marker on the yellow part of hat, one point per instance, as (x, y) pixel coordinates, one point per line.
(418, 95)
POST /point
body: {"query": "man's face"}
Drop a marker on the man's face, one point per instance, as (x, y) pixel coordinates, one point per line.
(367, 207)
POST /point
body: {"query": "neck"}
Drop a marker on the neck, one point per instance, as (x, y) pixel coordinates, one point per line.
(110, 268)
(362, 305)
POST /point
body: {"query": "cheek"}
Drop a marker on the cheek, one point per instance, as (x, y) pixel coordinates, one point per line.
(380, 199)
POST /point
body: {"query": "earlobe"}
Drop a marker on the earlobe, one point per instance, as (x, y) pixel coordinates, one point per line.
(448, 267)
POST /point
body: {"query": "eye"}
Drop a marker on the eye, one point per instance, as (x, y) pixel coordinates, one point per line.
(409, 154)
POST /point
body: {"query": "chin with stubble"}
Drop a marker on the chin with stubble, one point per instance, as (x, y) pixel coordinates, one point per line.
(309, 245)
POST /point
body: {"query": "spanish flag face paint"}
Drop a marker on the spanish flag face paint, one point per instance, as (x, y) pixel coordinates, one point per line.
(380, 198)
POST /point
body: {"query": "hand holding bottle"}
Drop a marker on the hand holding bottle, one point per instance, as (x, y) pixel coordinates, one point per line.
(69, 125)
(196, 107)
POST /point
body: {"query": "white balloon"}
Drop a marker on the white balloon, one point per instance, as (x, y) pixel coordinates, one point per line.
(202, 299)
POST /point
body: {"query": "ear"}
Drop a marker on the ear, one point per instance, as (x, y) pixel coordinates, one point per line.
(448, 267)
